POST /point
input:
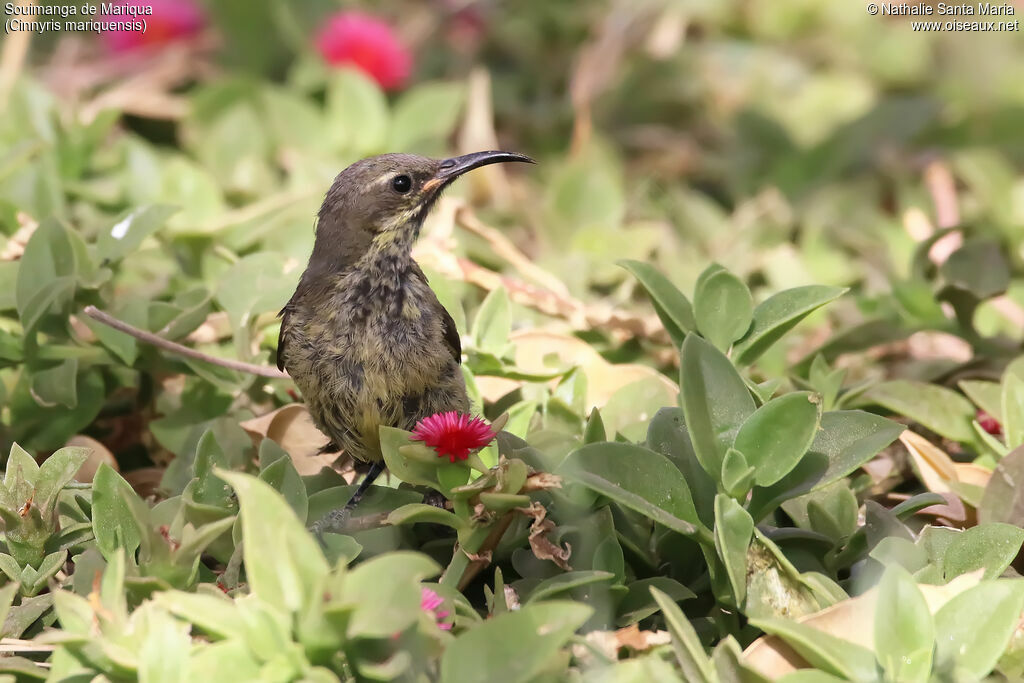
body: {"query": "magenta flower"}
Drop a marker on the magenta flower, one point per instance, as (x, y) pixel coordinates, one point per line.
(429, 602)
(453, 434)
(170, 20)
(367, 43)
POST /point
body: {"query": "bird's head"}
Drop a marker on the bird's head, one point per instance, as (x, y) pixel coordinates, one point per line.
(380, 202)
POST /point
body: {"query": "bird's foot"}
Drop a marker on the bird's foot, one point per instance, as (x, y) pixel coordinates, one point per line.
(334, 522)
(337, 520)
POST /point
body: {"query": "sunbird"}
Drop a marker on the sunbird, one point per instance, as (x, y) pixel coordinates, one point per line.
(364, 337)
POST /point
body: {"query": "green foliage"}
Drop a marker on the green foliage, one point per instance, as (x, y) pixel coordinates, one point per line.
(514, 646)
(637, 478)
(744, 455)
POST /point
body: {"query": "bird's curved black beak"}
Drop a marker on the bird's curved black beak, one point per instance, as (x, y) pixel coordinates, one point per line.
(450, 169)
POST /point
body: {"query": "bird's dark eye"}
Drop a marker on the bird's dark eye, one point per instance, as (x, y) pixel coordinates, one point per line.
(401, 183)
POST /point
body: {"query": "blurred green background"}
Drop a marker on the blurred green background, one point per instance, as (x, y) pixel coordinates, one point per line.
(171, 178)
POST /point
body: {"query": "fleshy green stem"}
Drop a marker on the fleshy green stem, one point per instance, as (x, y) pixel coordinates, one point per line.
(478, 541)
(704, 536)
(460, 560)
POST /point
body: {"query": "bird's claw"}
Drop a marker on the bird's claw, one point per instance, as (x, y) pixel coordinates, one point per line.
(333, 522)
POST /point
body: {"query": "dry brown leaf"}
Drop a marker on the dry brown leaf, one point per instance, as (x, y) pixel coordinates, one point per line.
(82, 331)
(668, 33)
(15, 246)
(852, 619)
(937, 596)
(543, 548)
(917, 224)
(954, 513)
(217, 326)
(1009, 309)
(975, 475)
(293, 430)
(485, 557)
(493, 388)
(885, 472)
(935, 468)
(541, 481)
(98, 455)
(477, 132)
(938, 177)
(610, 642)
(511, 598)
(945, 246)
(942, 187)
(635, 639)
(930, 345)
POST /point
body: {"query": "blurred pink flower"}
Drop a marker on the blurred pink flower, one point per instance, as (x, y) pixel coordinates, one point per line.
(989, 423)
(429, 602)
(367, 43)
(170, 21)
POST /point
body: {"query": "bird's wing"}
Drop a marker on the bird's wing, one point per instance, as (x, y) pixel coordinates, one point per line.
(448, 328)
(282, 338)
(451, 333)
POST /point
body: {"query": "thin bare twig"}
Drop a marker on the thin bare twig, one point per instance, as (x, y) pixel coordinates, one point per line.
(504, 248)
(942, 186)
(579, 315)
(178, 349)
(549, 295)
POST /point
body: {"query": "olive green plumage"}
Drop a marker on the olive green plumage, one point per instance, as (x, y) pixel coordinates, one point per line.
(364, 337)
